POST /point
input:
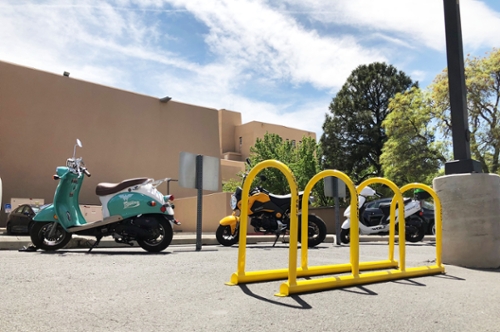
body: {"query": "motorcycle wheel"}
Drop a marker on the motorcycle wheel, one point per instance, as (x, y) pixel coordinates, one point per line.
(40, 231)
(345, 236)
(163, 237)
(316, 230)
(225, 237)
(415, 229)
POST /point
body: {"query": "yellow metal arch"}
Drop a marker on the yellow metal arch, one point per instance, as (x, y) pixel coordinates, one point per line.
(294, 286)
(241, 276)
(398, 198)
(438, 214)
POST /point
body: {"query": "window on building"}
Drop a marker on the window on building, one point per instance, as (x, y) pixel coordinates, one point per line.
(293, 142)
(241, 143)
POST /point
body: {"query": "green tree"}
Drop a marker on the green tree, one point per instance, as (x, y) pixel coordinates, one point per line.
(483, 97)
(353, 134)
(411, 153)
(301, 158)
(231, 184)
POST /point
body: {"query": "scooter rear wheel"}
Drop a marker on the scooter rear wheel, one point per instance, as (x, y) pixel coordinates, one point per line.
(415, 229)
(163, 239)
(316, 230)
(40, 232)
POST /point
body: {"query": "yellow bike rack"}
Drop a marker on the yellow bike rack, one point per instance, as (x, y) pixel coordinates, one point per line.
(293, 286)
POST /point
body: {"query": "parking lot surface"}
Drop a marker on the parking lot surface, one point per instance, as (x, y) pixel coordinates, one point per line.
(127, 289)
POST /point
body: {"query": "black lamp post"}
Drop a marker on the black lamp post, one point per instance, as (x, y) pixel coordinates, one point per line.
(458, 93)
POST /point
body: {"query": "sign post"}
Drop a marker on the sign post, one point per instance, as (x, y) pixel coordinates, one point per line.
(201, 173)
(335, 188)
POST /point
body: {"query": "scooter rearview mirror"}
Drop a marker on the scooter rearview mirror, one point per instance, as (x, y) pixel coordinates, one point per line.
(79, 143)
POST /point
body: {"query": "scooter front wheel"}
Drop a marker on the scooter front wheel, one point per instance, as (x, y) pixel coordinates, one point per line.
(225, 237)
(345, 236)
(43, 236)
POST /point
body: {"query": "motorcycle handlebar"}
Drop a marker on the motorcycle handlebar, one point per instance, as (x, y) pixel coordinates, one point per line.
(86, 172)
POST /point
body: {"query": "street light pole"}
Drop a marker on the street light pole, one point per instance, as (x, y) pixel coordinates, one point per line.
(458, 93)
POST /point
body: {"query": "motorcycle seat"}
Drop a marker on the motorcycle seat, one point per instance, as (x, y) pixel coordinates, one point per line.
(105, 188)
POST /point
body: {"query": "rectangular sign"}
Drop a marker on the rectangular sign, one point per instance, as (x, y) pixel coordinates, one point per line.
(329, 184)
(187, 171)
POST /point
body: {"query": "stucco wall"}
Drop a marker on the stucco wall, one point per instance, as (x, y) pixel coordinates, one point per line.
(124, 134)
(228, 120)
(249, 132)
(214, 208)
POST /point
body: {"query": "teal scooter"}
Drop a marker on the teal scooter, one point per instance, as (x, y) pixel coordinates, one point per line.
(133, 210)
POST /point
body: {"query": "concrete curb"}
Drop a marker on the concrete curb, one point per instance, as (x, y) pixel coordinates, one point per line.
(13, 242)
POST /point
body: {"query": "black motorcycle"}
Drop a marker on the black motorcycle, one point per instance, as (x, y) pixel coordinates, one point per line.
(269, 214)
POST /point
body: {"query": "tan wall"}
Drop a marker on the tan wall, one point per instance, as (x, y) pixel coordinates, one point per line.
(124, 134)
(214, 208)
(328, 216)
(228, 120)
(230, 169)
(253, 130)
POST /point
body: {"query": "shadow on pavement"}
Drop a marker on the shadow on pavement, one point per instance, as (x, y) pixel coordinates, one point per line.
(361, 290)
(301, 303)
(100, 252)
(408, 282)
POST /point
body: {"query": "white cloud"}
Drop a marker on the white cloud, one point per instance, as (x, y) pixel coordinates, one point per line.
(273, 44)
(411, 21)
(262, 44)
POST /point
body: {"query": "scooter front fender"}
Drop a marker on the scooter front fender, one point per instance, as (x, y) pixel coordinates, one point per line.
(46, 214)
(230, 221)
(346, 224)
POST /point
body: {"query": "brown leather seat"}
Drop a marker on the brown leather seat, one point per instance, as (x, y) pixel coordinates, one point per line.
(105, 188)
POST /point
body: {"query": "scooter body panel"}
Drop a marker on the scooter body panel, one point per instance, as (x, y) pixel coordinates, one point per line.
(46, 214)
(129, 204)
(361, 201)
(366, 230)
(65, 207)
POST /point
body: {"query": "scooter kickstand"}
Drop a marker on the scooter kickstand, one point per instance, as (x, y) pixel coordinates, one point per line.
(96, 243)
(276, 240)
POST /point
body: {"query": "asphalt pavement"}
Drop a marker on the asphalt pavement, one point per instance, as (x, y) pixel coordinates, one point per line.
(180, 289)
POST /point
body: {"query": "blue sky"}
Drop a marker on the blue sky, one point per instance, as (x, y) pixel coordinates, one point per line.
(279, 61)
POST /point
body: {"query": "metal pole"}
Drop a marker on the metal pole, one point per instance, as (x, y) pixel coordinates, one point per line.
(337, 210)
(168, 185)
(199, 186)
(458, 93)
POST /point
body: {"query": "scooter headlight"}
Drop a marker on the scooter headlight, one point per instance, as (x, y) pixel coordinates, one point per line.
(233, 202)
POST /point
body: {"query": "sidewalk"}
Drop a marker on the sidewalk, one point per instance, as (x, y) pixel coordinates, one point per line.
(15, 242)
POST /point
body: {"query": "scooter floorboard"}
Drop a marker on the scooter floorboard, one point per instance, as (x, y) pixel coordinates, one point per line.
(94, 224)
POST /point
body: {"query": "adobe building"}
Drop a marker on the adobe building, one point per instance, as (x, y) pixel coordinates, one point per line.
(124, 134)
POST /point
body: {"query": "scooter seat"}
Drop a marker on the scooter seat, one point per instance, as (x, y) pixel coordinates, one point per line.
(385, 207)
(105, 188)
